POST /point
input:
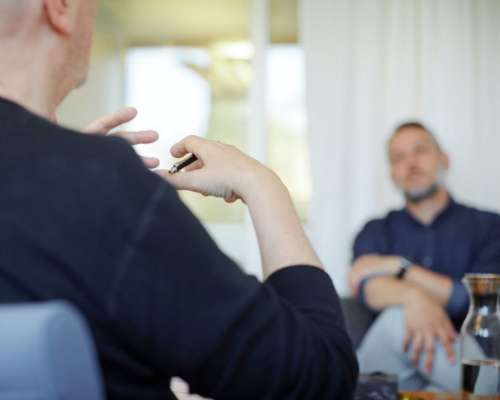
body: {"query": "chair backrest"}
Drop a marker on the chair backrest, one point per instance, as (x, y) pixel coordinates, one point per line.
(46, 353)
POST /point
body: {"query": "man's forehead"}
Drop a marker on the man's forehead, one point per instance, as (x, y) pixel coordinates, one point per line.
(410, 135)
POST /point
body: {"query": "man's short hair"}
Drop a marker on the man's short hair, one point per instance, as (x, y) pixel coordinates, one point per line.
(416, 125)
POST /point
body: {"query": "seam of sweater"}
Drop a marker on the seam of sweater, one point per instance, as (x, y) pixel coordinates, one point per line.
(131, 248)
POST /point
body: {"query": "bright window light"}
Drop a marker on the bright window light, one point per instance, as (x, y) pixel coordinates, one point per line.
(170, 96)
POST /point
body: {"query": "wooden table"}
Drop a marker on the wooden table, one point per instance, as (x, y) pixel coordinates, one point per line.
(428, 396)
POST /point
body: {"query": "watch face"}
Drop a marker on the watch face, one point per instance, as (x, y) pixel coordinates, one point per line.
(405, 263)
(401, 273)
(403, 267)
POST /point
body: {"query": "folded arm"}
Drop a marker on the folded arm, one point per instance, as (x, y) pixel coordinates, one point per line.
(437, 285)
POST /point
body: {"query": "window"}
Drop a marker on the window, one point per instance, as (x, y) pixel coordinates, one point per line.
(185, 90)
(287, 127)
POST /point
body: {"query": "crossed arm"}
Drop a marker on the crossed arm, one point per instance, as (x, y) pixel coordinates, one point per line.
(437, 285)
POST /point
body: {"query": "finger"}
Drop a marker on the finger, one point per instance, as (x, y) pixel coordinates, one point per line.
(407, 340)
(447, 344)
(452, 334)
(429, 352)
(449, 329)
(417, 348)
(194, 166)
(140, 137)
(105, 124)
(150, 162)
(191, 144)
(184, 180)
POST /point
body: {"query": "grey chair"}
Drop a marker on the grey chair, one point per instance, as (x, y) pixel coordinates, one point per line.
(46, 353)
(358, 319)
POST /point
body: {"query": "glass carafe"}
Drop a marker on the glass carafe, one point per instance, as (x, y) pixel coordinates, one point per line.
(480, 338)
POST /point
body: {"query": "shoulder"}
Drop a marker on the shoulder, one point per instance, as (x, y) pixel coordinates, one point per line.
(477, 215)
(103, 168)
(377, 224)
(483, 225)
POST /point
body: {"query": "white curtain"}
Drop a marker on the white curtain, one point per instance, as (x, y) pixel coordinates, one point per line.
(374, 63)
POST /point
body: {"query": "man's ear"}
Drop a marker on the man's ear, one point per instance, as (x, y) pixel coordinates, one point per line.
(61, 15)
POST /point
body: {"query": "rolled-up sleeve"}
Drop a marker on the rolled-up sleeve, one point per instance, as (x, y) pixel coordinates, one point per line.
(458, 302)
(487, 261)
(369, 240)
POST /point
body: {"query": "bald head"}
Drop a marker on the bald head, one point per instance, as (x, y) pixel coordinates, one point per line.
(11, 4)
(45, 37)
(13, 13)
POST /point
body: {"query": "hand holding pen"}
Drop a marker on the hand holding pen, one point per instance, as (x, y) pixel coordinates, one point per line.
(214, 169)
(223, 171)
(179, 166)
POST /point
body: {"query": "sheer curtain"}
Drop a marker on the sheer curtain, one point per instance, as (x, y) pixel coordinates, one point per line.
(373, 63)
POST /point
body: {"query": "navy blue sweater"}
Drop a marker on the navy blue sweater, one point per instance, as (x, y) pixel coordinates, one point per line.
(82, 219)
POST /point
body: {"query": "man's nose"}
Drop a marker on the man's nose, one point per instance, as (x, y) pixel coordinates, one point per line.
(412, 161)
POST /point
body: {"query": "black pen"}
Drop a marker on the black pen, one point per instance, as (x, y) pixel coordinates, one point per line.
(178, 166)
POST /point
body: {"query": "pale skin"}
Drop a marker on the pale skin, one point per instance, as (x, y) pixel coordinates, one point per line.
(55, 36)
(416, 162)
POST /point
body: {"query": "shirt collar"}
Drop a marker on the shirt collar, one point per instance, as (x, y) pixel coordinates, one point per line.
(442, 214)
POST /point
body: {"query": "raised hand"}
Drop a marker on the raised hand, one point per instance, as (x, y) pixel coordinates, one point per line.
(105, 124)
(221, 170)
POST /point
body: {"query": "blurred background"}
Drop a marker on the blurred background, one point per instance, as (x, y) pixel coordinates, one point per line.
(311, 88)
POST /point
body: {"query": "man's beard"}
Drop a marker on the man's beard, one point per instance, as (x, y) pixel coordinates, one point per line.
(417, 196)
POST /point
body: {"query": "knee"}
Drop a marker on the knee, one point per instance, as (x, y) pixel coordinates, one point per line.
(389, 326)
(384, 340)
(390, 319)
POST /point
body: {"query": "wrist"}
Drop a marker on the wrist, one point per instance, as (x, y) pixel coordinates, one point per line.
(260, 184)
(403, 268)
(393, 265)
(410, 295)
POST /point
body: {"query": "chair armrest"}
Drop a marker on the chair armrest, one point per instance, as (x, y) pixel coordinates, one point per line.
(358, 319)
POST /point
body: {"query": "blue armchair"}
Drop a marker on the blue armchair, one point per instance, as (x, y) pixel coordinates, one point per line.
(46, 353)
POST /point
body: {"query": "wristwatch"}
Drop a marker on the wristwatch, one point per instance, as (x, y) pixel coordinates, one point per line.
(404, 266)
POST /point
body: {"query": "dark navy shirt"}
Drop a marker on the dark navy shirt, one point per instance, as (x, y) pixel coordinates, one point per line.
(82, 219)
(460, 240)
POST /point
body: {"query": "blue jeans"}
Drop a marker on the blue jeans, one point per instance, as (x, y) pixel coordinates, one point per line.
(382, 350)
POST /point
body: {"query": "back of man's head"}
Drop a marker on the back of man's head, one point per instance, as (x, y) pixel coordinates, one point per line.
(45, 48)
(12, 15)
